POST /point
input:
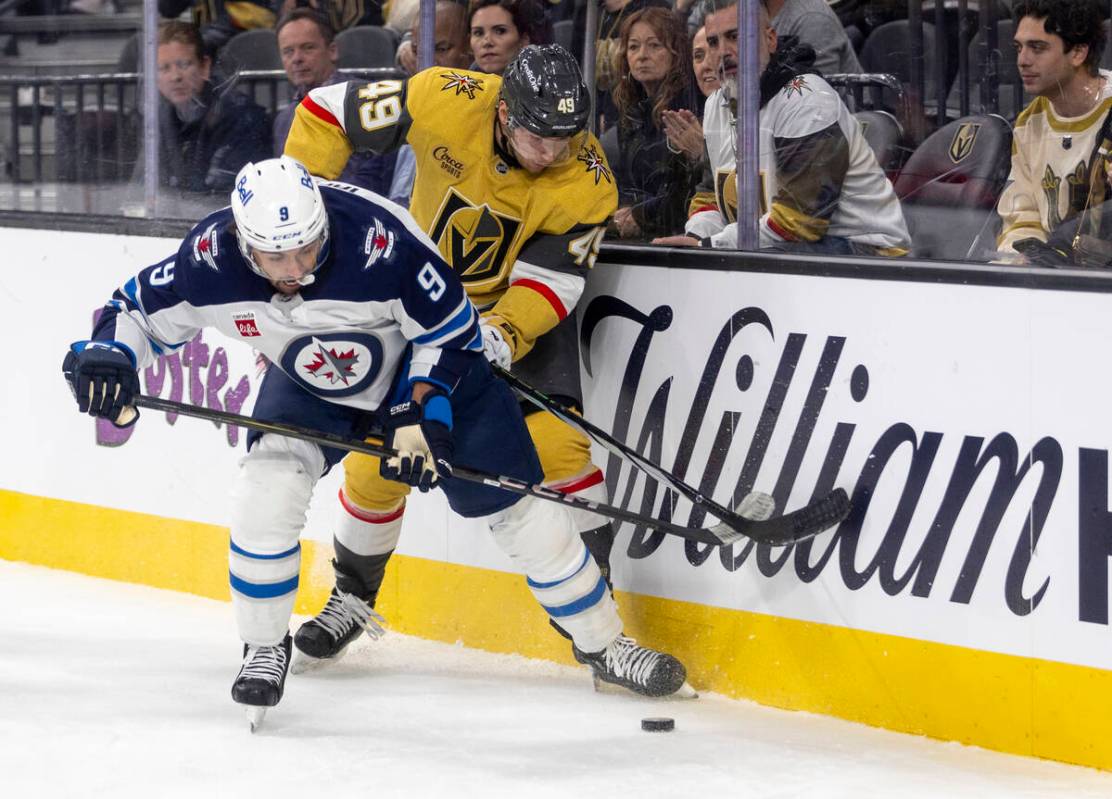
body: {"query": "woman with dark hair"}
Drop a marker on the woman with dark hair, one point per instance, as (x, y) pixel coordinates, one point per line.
(654, 76)
(500, 28)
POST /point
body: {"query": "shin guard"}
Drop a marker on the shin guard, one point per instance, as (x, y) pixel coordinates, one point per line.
(270, 499)
(540, 539)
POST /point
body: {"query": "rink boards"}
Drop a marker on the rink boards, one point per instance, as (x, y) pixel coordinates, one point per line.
(966, 598)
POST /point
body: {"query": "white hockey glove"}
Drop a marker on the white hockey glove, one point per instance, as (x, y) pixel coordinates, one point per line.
(422, 435)
(495, 348)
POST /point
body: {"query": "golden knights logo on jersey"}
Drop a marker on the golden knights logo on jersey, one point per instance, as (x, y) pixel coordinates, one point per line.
(463, 84)
(595, 163)
(473, 238)
(1077, 193)
(964, 139)
(725, 193)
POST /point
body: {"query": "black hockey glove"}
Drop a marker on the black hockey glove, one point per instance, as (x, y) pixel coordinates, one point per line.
(103, 379)
(422, 435)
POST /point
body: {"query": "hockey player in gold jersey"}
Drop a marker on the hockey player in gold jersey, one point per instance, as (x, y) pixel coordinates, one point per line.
(516, 194)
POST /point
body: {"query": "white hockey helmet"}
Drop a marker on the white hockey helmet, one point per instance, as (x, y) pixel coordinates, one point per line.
(277, 206)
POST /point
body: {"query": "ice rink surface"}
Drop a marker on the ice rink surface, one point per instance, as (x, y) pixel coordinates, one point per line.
(116, 690)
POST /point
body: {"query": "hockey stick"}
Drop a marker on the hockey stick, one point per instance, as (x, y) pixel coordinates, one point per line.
(607, 441)
(789, 528)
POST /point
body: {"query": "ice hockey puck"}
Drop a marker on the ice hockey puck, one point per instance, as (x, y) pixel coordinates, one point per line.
(658, 724)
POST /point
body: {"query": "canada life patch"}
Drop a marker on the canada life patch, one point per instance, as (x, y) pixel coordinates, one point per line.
(245, 324)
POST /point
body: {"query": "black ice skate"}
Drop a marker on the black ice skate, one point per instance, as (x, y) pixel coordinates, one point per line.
(630, 665)
(327, 635)
(261, 679)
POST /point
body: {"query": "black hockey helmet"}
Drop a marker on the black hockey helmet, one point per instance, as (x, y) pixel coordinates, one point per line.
(544, 92)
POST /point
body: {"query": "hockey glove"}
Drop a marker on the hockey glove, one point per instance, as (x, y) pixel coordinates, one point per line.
(422, 435)
(103, 379)
(495, 348)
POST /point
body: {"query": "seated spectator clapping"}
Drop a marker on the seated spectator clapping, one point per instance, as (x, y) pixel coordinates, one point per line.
(654, 76)
(684, 128)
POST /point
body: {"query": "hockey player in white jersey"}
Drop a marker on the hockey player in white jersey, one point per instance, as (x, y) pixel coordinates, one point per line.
(821, 188)
(371, 333)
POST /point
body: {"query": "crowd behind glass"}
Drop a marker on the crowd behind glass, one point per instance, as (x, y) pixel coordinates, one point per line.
(885, 170)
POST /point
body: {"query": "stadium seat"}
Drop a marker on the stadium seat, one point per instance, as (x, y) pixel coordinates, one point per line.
(253, 49)
(950, 184)
(609, 142)
(885, 135)
(886, 51)
(563, 33)
(1011, 100)
(366, 46)
(128, 60)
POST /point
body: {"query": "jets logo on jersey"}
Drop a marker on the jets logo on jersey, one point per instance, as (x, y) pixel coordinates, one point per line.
(463, 84)
(333, 367)
(379, 243)
(206, 247)
(595, 163)
(962, 143)
(246, 325)
(334, 364)
(473, 239)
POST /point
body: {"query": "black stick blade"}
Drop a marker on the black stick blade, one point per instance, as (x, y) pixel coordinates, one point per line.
(799, 525)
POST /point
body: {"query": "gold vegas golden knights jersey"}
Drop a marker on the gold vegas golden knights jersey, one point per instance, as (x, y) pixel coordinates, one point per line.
(521, 243)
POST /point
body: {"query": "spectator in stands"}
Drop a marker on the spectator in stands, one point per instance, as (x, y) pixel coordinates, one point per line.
(813, 22)
(306, 44)
(500, 28)
(220, 20)
(705, 63)
(1058, 171)
(401, 15)
(821, 186)
(453, 50)
(682, 127)
(205, 137)
(608, 55)
(452, 40)
(654, 181)
(341, 14)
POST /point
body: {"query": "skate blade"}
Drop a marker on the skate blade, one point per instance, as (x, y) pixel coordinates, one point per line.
(685, 691)
(255, 716)
(302, 663)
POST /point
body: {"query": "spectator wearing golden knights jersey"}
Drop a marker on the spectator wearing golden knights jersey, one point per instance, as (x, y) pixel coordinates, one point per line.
(1057, 170)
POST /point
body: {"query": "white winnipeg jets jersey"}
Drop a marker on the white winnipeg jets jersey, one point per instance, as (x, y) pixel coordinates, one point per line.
(818, 175)
(382, 292)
